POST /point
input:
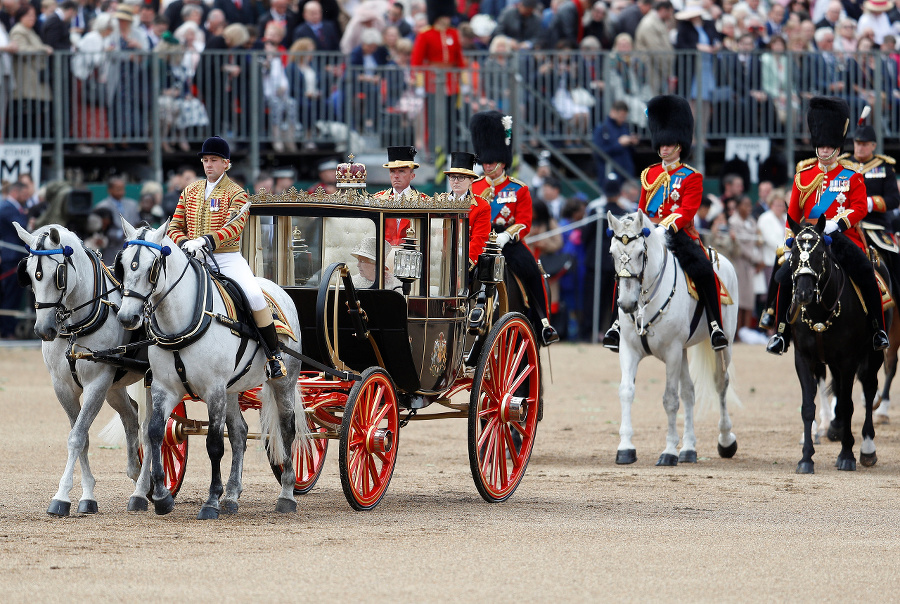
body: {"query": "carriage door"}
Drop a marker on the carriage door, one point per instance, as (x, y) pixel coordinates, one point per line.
(446, 308)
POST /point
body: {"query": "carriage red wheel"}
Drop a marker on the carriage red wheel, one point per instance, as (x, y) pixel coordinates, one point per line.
(369, 435)
(174, 451)
(503, 408)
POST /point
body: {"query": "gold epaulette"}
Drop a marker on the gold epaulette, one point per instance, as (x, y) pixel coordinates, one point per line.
(887, 159)
(692, 168)
(480, 178)
(806, 164)
(844, 156)
(517, 181)
(850, 164)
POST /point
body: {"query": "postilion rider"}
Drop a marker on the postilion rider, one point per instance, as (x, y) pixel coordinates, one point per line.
(825, 185)
(670, 196)
(209, 218)
(402, 166)
(511, 209)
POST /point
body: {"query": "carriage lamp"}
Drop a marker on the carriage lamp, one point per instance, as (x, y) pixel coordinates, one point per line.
(408, 261)
(491, 262)
(302, 258)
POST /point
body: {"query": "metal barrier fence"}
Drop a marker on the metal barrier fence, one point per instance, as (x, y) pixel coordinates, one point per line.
(287, 101)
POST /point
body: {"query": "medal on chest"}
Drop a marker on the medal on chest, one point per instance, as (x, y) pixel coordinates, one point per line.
(675, 195)
(214, 204)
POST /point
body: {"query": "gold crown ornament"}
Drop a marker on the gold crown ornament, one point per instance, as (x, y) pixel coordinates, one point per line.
(350, 174)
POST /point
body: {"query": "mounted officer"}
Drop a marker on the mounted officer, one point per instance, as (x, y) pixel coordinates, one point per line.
(829, 186)
(511, 209)
(670, 196)
(882, 197)
(209, 217)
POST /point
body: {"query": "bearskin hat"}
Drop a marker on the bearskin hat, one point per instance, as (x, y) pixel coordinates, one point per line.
(671, 122)
(828, 119)
(440, 8)
(489, 137)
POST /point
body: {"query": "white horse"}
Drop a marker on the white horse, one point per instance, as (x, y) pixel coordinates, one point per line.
(76, 304)
(196, 352)
(658, 316)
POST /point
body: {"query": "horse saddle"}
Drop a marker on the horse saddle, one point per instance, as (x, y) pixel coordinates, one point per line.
(724, 296)
(879, 238)
(238, 309)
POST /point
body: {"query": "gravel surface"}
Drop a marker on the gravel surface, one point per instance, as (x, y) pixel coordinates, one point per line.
(579, 527)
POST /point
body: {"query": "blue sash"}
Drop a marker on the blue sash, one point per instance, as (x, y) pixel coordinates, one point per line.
(502, 197)
(662, 193)
(840, 184)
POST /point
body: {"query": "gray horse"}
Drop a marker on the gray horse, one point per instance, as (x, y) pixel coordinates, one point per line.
(195, 353)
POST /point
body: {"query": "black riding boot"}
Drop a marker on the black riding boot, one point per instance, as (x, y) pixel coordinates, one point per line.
(767, 320)
(778, 343)
(872, 295)
(275, 365)
(709, 295)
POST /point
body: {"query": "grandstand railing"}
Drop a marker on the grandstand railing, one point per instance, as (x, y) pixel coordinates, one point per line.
(261, 101)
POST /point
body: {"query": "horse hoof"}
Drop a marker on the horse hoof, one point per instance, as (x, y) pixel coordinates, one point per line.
(687, 457)
(846, 465)
(626, 456)
(868, 459)
(285, 506)
(137, 504)
(729, 451)
(208, 512)
(229, 506)
(87, 506)
(667, 459)
(164, 506)
(59, 508)
(806, 467)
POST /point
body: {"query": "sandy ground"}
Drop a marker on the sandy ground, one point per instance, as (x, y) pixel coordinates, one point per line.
(578, 528)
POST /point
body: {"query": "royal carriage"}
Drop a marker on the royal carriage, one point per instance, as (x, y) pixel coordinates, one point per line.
(377, 352)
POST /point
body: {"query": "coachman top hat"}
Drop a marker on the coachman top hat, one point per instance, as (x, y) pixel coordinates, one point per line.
(215, 145)
(401, 157)
(671, 122)
(463, 163)
(491, 133)
(828, 120)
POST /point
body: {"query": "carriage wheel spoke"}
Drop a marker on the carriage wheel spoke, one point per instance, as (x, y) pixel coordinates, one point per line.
(486, 431)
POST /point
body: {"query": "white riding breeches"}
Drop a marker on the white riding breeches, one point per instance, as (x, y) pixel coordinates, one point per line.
(233, 266)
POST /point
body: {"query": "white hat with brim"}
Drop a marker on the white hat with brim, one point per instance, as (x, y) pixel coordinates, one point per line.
(124, 13)
(366, 249)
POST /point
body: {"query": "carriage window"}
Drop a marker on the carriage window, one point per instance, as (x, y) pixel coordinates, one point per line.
(266, 247)
(348, 240)
(305, 252)
(440, 275)
(462, 257)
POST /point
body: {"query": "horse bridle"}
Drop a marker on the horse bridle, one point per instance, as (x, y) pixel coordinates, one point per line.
(60, 275)
(804, 268)
(159, 265)
(625, 239)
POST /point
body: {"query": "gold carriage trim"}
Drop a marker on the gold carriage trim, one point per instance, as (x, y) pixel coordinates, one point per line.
(362, 199)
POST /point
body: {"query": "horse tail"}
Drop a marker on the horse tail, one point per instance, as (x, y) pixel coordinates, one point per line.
(270, 425)
(301, 440)
(113, 433)
(703, 365)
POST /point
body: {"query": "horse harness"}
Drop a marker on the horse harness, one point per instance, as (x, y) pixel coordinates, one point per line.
(100, 303)
(641, 325)
(201, 320)
(804, 241)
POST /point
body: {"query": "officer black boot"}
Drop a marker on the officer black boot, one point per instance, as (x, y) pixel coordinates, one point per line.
(778, 343)
(275, 368)
(767, 320)
(880, 340)
(709, 292)
(611, 337)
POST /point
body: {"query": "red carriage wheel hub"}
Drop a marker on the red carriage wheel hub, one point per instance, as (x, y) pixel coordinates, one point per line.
(513, 408)
(380, 440)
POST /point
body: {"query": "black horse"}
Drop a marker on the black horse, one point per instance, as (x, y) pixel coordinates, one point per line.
(830, 329)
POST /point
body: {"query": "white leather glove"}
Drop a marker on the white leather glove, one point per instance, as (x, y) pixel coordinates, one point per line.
(830, 227)
(503, 238)
(420, 92)
(869, 203)
(191, 247)
(787, 255)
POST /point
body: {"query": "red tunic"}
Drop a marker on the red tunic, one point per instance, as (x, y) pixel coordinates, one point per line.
(439, 49)
(395, 228)
(671, 198)
(510, 204)
(479, 227)
(846, 208)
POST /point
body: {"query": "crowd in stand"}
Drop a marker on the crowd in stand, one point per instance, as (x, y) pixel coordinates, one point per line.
(321, 57)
